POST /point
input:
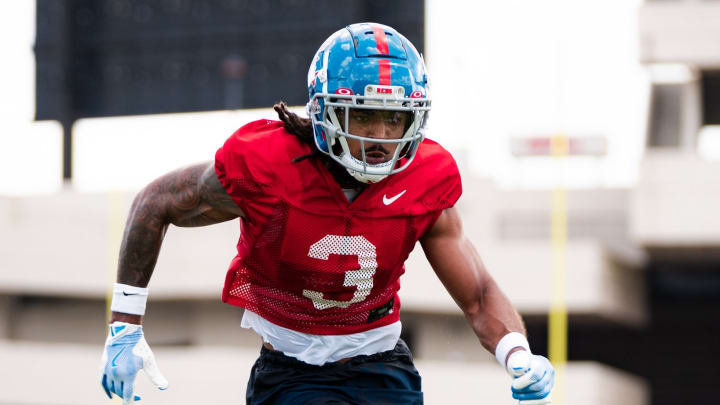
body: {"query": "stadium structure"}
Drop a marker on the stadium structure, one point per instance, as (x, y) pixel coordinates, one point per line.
(642, 279)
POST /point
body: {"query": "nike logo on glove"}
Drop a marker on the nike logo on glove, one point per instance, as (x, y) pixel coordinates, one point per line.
(116, 356)
(126, 294)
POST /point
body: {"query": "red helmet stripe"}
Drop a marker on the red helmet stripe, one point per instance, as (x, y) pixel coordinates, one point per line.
(381, 40)
(384, 71)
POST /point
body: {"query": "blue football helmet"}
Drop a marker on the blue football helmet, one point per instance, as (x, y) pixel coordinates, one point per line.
(367, 66)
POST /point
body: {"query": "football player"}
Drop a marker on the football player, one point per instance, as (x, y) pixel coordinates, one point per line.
(330, 207)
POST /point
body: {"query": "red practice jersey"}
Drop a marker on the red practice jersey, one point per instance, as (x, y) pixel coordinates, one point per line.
(308, 259)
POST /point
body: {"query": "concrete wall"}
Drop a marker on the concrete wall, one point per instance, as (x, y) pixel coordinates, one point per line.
(66, 245)
(667, 210)
(679, 31)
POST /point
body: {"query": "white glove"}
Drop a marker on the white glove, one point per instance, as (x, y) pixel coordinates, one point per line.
(534, 378)
(126, 352)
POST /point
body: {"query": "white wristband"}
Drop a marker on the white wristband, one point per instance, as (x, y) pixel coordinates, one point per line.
(509, 342)
(129, 299)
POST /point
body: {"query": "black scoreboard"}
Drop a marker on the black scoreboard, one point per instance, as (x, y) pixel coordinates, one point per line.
(124, 57)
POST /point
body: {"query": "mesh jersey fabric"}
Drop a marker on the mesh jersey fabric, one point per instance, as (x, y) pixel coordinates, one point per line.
(310, 260)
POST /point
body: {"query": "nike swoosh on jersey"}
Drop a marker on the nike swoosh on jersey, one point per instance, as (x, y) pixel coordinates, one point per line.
(126, 294)
(388, 201)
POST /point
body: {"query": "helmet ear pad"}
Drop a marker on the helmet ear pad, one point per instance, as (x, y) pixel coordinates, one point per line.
(407, 148)
(337, 117)
(337, 149)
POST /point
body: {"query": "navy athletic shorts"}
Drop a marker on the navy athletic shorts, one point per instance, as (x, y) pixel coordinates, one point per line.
(383, 378)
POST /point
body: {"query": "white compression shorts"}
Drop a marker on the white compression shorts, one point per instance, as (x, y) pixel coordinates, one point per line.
(321, 349)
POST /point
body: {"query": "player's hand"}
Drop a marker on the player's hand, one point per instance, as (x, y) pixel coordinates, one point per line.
(126, 352)
(534, 378)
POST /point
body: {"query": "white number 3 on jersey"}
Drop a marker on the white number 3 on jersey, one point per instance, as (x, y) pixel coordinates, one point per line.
(362, 278)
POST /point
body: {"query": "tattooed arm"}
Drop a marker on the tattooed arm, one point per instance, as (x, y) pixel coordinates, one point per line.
(192, 196)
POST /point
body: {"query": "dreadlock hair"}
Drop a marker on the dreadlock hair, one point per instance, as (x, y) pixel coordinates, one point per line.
(298, 126)
(303, 130)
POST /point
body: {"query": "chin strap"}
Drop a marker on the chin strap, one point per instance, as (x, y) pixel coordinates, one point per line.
(367, 178)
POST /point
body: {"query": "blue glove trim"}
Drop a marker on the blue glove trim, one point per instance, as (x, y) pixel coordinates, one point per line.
(116, 329)
(534, 395)
(534, 387)
(105, 386)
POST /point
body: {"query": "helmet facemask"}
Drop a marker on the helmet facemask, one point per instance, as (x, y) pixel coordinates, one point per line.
(336, 122)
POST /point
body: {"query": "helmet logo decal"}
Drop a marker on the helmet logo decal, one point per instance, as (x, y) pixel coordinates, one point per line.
(381, 40)
(384, 71)
(393, 94)
(314, 107)
(342, 90)
(416, 94)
